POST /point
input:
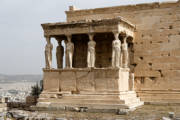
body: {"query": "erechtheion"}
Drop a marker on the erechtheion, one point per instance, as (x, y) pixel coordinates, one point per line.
(115, 57)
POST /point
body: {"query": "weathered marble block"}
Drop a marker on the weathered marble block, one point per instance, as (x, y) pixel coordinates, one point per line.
(86, 80)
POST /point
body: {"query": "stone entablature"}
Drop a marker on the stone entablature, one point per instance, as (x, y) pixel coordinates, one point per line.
(85, 27)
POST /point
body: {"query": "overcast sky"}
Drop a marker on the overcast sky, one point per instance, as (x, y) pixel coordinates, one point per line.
(21, 36)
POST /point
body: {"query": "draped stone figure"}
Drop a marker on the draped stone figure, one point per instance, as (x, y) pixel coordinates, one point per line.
(125, 54)
(91, 55)
(59, 55)
(116, 52)
(69, 52)
(48, 53)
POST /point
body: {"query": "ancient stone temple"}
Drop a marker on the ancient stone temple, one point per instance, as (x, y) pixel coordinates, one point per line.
(111, 54)
(97, 64)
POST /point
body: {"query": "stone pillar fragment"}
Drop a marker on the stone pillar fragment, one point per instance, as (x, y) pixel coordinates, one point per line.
(131, 81)
(91, 55)
(69, 52)
(59, 54)
(48, 53)
(116, 51)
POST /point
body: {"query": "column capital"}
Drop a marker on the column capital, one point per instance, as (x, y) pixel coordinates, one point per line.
(48, 39)
(47, 36)
(116, 35)
(68, 36)
(125, 39)
(115, 32)
(91, 35)
(59, 40)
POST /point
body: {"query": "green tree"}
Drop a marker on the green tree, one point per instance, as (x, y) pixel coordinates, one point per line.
(35, 90)
(41, 85)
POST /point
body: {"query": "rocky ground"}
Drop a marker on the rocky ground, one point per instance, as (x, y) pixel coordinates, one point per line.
(146, 112)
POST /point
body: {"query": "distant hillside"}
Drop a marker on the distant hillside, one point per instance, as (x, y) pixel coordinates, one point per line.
(19, 78)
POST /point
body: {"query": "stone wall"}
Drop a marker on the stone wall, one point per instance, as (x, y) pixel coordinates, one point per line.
(80, 50)
(156, 45)
(96, 80)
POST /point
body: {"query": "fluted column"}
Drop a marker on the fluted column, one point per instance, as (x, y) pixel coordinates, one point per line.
(59, 54)
(125, 54)
(116, 51)
(48, 53)
(69, 52)
(91, 55)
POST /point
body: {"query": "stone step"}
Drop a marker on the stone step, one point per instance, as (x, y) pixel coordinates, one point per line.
(98, 104)
(164, 96)
(133, 100)
(167, 100)
(128, 96)
(136, 104)
(159, 96)
(88, 105)
(122, 95)
(107, 97)
(105, 93)
(92, 101)
(84, 101)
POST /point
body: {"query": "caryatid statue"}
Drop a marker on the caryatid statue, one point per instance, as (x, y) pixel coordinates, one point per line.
(125, 54)
(91, 55)
(69, 52)
(48, 53)
(116, 51)
(59, 55)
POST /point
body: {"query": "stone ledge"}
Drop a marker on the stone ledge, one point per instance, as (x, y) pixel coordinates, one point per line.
(161, 103)
(92, 93)
(85, 69)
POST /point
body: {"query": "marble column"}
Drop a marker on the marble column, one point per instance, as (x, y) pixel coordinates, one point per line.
(116, 51)
(91, 54)
(125, 54)
(59, 54)
(48, 53)
(69, 52)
